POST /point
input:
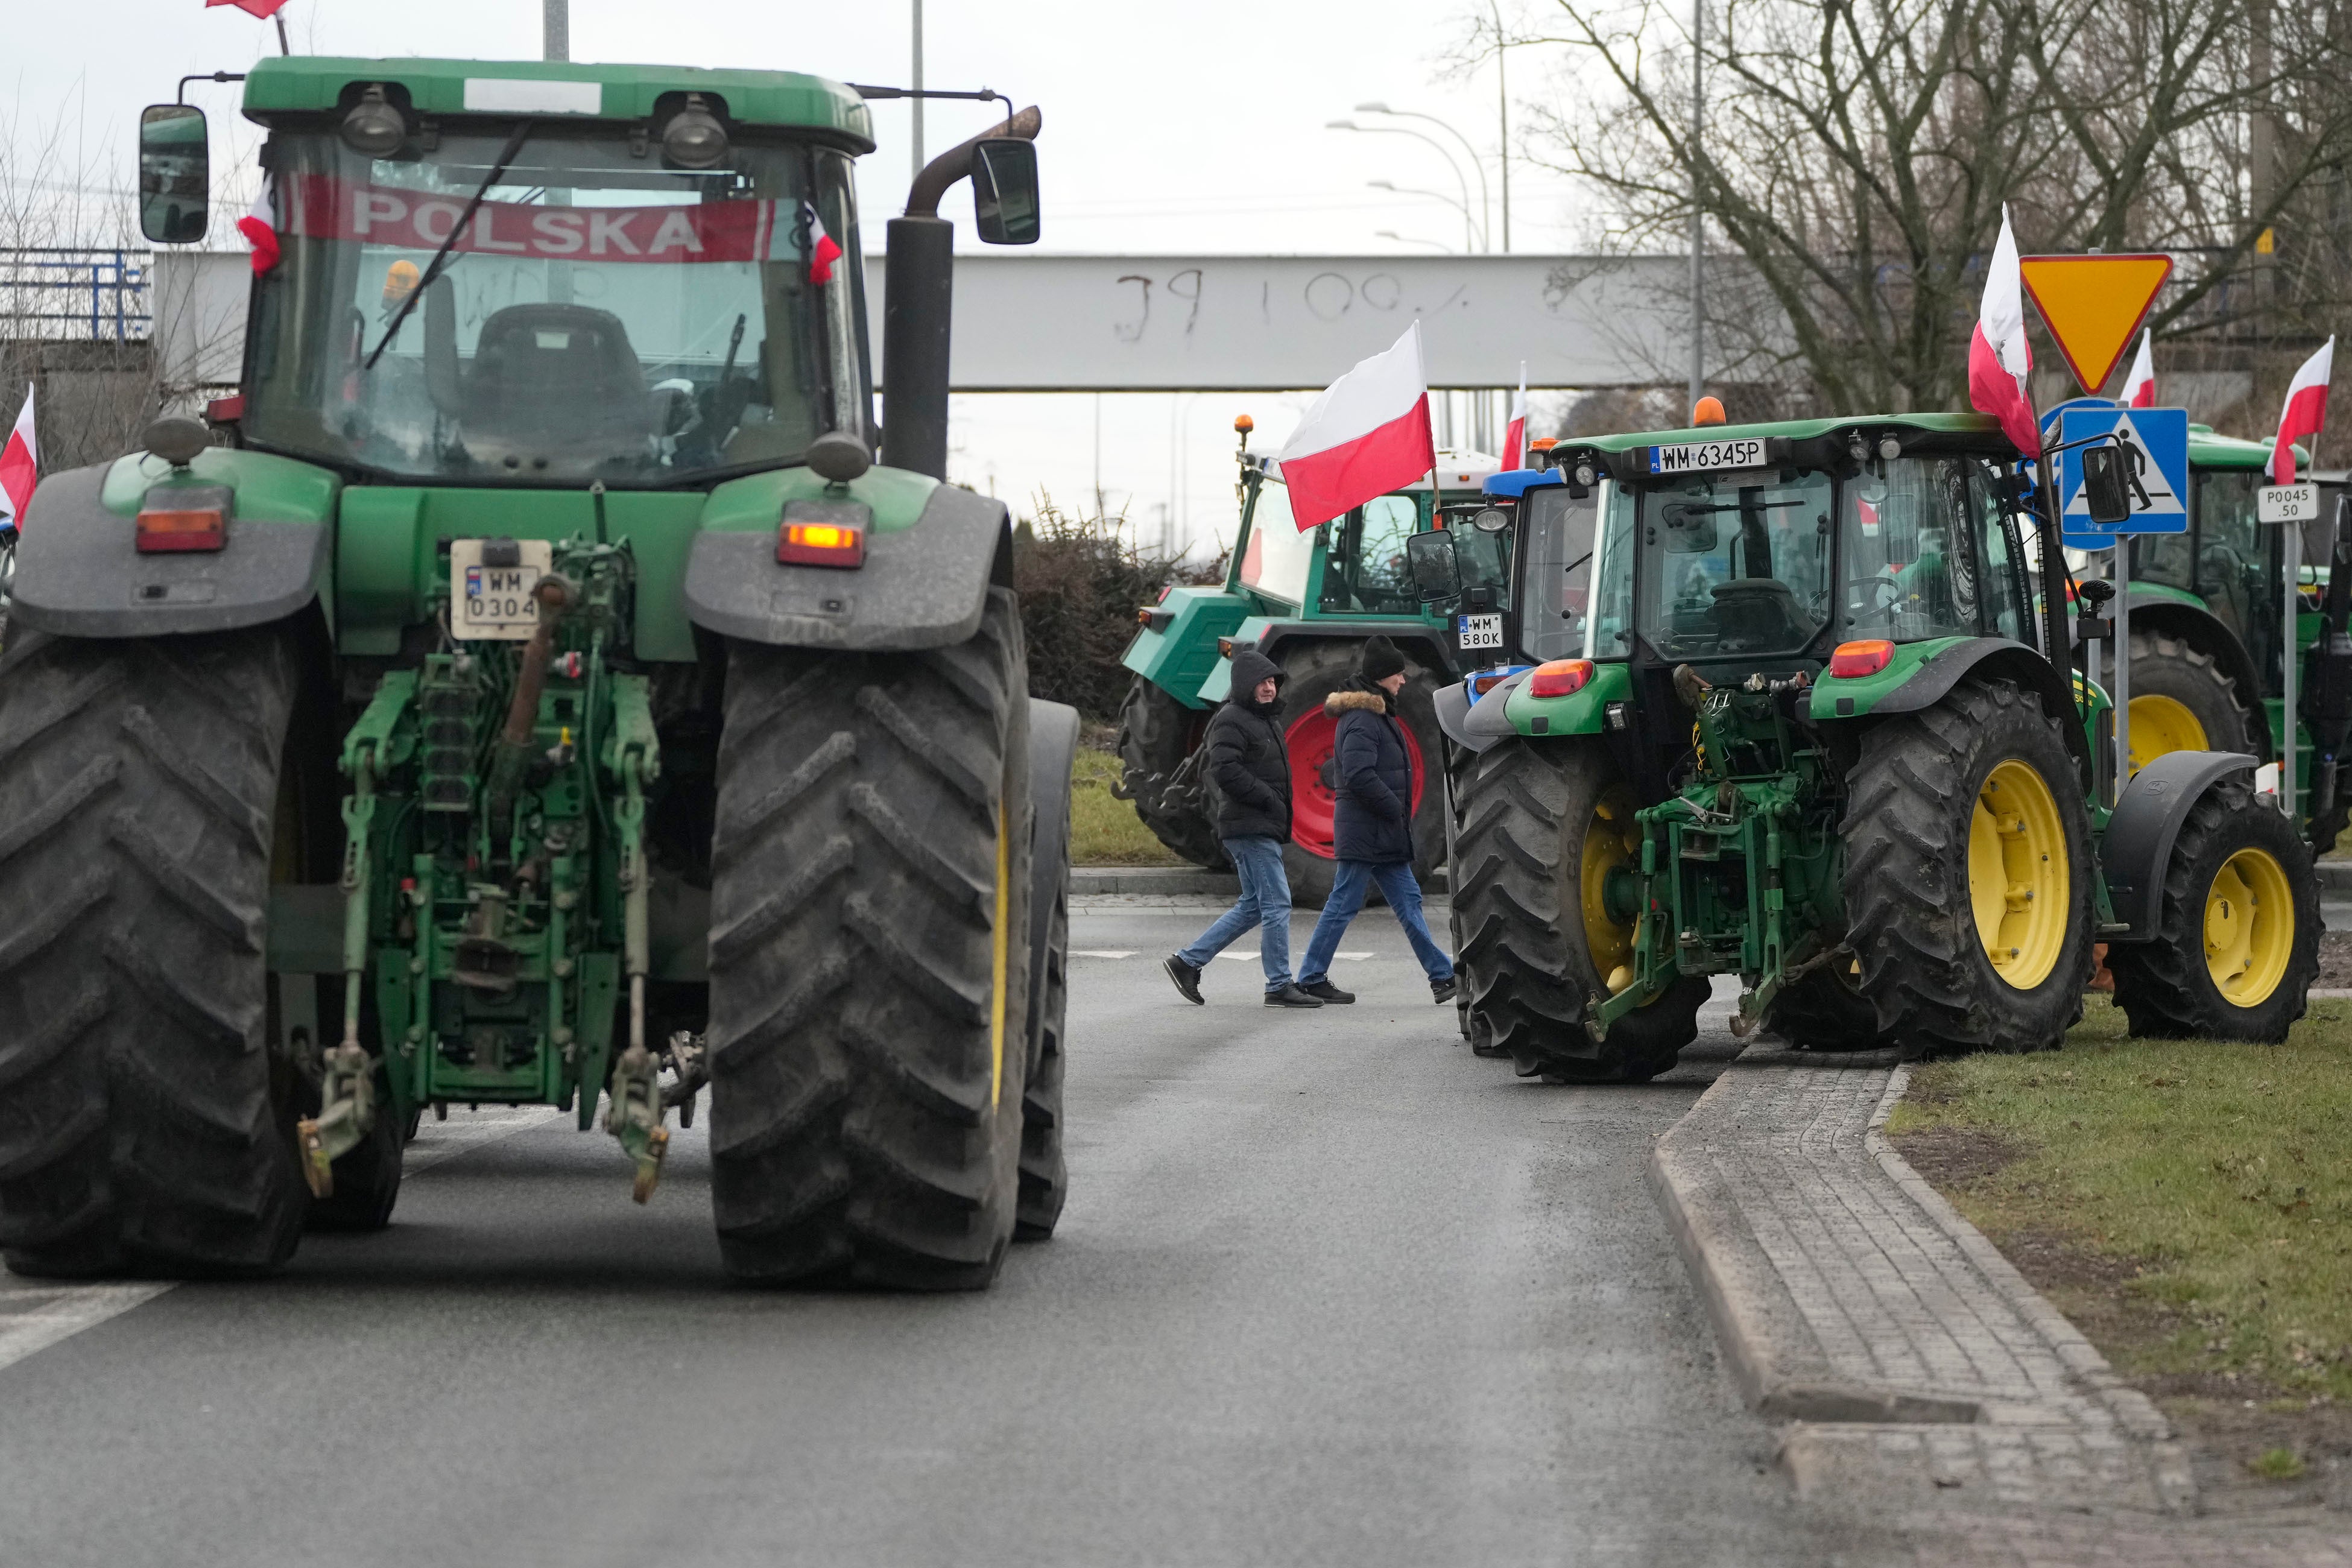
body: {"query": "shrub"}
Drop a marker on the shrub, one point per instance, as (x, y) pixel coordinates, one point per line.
(1081, 581)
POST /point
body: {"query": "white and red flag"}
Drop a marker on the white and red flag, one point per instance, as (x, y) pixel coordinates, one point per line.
(2140, 386)
(2306, 411)
(1366, 435)
(260, 226)
(19, 466)
(1515, 434)
(265, 9)
(1999, 356)
(823, 251)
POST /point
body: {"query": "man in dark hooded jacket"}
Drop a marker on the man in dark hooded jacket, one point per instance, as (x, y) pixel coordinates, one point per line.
(1250, 765)
(1372, 825)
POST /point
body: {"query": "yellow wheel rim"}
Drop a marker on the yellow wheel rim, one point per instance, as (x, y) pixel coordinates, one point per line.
(2248, 928)
(2018, 881)
(1611, 839)
(2162, 724)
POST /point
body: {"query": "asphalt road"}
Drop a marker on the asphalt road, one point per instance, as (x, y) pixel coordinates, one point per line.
(1330, 1290)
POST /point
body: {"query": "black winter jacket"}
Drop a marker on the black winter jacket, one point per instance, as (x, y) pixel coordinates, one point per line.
(1373, 813)
(1248, 762)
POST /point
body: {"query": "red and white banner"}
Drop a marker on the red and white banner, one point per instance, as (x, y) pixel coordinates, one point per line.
(20, 461)
(2305, 414)
(2000, 359)
(1515, 434)
(329, 208)
(1366, 435)
(2140, 386)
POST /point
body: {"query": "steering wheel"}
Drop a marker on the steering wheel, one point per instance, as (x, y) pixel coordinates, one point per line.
(1889, 591)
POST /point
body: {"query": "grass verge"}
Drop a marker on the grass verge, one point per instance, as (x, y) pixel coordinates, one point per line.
(1104, 829)
(2188, 1204)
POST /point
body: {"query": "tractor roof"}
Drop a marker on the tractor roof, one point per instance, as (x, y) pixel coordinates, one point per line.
(1794, 429)
(315, 84)
(2208, 450)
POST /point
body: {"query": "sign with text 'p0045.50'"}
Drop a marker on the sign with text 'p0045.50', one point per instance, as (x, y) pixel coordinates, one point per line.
(2156, 449)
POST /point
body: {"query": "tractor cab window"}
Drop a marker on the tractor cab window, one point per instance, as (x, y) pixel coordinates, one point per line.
(1927, 552)
(1557, 538)
(1735, 565)
(1612, 612)
(601, 315)
(2233, 561)
(1366, 570)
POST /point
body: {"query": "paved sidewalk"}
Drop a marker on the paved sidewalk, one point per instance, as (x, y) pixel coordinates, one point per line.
(1906, 1356)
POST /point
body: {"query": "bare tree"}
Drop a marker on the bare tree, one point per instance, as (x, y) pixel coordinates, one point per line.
(1856, 156)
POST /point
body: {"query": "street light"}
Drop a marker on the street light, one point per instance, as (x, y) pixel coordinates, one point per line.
(1485, 212)
(1469, 237)
(1432, 141)
(1412, 239)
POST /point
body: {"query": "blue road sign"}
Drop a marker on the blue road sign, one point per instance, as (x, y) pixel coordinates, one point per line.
(2160, 439)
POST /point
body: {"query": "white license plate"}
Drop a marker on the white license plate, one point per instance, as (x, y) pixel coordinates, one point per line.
(1706, 457)
(1479, 631)
(2287, 504)
(493, 602)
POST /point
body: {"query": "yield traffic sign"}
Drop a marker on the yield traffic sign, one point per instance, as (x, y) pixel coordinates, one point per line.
(2093, 305)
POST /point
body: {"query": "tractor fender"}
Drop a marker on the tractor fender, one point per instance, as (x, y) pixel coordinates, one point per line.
(1992, 658)
(2206, 632)
(1053, 748)
(79, 572)
(2138, 841)
(923, 586)
(1482, 723)
(1453, 704)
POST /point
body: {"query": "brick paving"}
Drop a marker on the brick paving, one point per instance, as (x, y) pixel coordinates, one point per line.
(1876, 1286)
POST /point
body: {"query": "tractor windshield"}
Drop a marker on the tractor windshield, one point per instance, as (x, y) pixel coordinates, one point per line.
(1557, 544)
(1734, 564)
(602, 316)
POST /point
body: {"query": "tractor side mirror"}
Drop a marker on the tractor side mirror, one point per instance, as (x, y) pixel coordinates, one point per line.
(2106, 488)
(1004, 190)
(1436, 573)
(175, 174)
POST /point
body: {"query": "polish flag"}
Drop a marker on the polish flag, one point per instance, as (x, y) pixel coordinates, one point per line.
(1999, 356)
(1515, 434)
(2140, 386)
(823, 251)
(1366, 435)
(262, 8)
(2306, 411)
(259, 227)
(19, 466)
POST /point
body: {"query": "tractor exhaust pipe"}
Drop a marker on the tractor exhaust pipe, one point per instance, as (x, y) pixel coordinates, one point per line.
(918, 300)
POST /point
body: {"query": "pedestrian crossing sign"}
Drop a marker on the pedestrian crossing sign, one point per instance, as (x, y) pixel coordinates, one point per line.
(2157, 440)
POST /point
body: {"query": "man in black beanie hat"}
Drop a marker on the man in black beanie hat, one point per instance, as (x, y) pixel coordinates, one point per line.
(1372, 824)
(1250, 765)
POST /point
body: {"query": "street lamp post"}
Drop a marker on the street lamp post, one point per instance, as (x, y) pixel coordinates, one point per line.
(1412, 239)
(1418, 136)
(1503, 116)
(1485, 213)
(1469, 231)
(1697, 229)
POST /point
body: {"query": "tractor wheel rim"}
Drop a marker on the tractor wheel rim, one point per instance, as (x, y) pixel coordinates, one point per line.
(2248, 928)
(1611, 839)
(2162, 724)
(2019, 882)
(1313, 803)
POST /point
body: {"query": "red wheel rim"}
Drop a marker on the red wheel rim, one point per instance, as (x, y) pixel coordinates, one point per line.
(1312, 801)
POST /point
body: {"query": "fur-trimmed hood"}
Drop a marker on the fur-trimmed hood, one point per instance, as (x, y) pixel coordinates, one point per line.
(1347, 698)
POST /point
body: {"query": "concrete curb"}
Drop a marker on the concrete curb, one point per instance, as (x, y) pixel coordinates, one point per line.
(1774, 1357)
(2176, 1485)
(2334, 876)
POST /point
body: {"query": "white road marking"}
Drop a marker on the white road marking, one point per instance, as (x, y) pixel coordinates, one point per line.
(1251, 957)
(1102, 953)
(35, 1314)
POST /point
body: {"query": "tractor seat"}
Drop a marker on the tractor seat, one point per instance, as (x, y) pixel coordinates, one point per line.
(556, 379)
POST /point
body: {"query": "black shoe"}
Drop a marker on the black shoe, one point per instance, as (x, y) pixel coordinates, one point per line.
(1187, 979)
(1324, 991)
(1292, 996)
(1443, 989)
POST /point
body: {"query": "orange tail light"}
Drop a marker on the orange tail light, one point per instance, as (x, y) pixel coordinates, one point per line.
(1559, 678)
(181, 518)
(1859, 658)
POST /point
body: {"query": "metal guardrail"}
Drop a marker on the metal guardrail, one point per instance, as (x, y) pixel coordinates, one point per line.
(64, 292)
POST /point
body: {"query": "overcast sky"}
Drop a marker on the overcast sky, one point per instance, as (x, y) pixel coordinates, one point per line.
(1194, 127)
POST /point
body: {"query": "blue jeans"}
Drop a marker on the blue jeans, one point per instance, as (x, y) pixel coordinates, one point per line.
(1403, 894)
(1264, 902)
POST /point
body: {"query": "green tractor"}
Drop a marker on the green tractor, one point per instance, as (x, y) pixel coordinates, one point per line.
(2206, 614)
(1309, 601)
(1783, 715)
(540, 699)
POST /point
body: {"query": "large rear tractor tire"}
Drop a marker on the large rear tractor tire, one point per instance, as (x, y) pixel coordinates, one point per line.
(1545, 824)
(144, 1124)
(2181, 701)
(869, 961)
(2237, 930)
(1157, 734)
(1968, 879)
(1044, 1173)
(1313, 670)
(1825, 1010)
